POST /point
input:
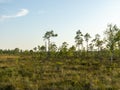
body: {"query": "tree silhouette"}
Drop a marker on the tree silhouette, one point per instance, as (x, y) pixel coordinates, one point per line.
(48, 36)
(87, 37)
(111, 32)
(79, 39)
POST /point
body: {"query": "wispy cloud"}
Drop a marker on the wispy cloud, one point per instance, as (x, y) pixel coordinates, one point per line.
(22, 12)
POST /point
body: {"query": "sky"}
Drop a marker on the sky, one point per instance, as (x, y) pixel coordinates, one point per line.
(23, 23)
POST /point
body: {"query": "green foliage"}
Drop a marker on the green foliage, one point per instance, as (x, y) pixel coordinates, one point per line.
(79, 39)
(73, 74)
(47, 37)
(64, 68)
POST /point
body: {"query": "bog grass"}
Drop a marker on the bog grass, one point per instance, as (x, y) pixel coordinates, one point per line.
(20, 73)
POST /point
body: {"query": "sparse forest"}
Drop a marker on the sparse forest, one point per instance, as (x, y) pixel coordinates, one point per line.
(92, 63)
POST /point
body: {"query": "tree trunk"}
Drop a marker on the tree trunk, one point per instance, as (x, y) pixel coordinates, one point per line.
(111, 56)
(86, 49)
(48, 44)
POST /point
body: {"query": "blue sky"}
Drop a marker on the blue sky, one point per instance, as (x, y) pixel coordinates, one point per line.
(24, 22)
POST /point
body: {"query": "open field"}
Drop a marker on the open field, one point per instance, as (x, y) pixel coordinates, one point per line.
(35, 74)
(59, 45)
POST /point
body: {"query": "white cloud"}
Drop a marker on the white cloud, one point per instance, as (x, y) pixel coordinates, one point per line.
(22, 12)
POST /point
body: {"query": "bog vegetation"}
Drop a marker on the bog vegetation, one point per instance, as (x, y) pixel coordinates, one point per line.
(93, 66)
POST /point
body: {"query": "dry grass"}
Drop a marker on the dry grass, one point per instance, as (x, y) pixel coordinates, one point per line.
(35, 74)
(4, 57)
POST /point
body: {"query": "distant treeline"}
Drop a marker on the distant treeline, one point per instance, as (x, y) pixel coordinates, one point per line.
(106, 48)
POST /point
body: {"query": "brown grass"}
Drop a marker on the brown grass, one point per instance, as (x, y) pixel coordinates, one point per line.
(8, 57)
